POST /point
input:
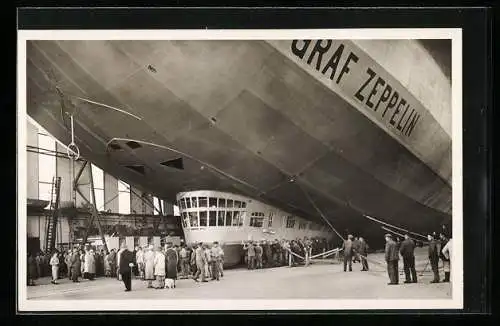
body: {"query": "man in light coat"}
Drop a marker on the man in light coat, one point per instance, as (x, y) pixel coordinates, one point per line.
(149, 266)
(54, 262)
(348, 252)
(184, 260)
(89, 265)
(200, 259)
(67, 261)
(139, 258)
(447, 251)
(215, 259)
(159, 266)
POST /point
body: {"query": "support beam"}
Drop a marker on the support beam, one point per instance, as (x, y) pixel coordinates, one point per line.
(79, 174)
(96, 212)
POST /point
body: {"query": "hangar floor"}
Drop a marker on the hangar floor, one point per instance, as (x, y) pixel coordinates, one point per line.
(321, 280)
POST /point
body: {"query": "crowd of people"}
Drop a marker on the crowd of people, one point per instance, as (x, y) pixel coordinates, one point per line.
(160, 267)
(86, 263)
(275, 253)
(439, 248)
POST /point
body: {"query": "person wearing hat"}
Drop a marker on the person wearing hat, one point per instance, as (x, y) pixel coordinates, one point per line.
(216, 253)
(159, 262)
(126, 264)
(184, 261)
(75, 265)
(200, 260)
(363, 252)
(444, 258)
(434, 257)
(149, 263)
(171, 261)
(392, 258)
(446, 251)
(407, 250)
(347, 246)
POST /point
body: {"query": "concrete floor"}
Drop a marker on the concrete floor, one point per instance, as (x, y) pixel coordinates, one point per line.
(318, 281)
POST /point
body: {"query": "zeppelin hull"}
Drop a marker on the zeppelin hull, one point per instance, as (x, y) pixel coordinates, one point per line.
(244, 117)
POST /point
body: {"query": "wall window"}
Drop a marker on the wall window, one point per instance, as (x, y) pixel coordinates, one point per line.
(98, 178)
(222, 203)
(203, 218)
(194, 202)
(202, 201)
(243, 216)
(193, 219)
(229, 216)
(237, 204)
(270, 220)
(156, 203)
(185, 220)
(220, 218)
(212, 202)
(46, 165)
(212, 218)
(123, 198)
(229, 203)
(243, 205)
(183, 203)
(290, 222)
(236, 218)
(188, 202)
(302, 225)
(257, 219)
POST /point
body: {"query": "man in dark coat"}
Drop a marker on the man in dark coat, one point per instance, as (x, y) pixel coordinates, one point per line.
(32, 270)
(407, 250)
(171, 261)
(75, 265)
(355, 250)
(363, 252)
(348, 251)
(126, 264)
(268, 253)
(392, 258)
(434, 257)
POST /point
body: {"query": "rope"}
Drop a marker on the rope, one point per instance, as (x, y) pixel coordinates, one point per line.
(389, 230)
(294, 253)
(319, 211)
(393, 226)
(327, 253)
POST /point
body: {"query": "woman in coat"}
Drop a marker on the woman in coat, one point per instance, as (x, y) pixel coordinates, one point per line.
(171, 261)
(54, 263)
(89, 265)
(159, 265)
(107, 266)
(75, 265)
(82, 263)
(32, 270)
(149, 265)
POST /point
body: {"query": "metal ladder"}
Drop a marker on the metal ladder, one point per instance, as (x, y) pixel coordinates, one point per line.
(52, 217)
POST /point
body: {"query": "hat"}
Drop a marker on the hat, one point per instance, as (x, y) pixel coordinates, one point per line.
(388, 235)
